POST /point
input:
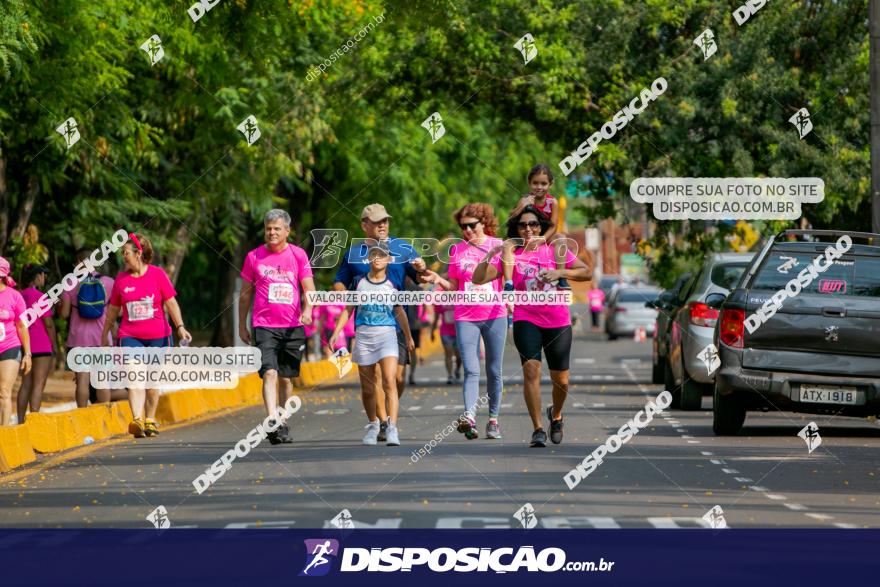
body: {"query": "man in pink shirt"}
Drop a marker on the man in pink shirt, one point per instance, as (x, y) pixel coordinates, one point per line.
(273, 275)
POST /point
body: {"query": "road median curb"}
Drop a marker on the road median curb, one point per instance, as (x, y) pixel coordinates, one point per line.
(47, 433)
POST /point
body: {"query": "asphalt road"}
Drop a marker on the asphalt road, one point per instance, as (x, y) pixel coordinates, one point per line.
(669, 475)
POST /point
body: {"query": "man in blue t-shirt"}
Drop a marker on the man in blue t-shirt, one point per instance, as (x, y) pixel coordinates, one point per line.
(375, 222)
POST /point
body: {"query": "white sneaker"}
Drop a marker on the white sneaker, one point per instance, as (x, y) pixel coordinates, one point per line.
(393, 440)
(373, 433)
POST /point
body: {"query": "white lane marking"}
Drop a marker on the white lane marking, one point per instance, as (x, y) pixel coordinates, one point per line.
(506, 405)
(577, 405)
(673, 522)
(251, 525)
(730, 471)
(392, 523)
(758, 488)
(819, 516)
(578, 522)
(686, 436)
(598, 405)
(477, 522)
(775, 496)
(333, 411)
(843, 525)
(744, 480)
(585, 361)
(706, 453)
(693, 442)
(413, 408)
(716, 461)
(795, 506)
(441, 407)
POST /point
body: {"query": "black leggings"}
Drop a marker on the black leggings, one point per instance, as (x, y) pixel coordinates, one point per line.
(530, 339)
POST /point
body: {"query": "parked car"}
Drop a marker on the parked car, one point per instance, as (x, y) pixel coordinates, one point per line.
(819, 352)
(692, 329)
(666, 304)
(608, 283)
(625, 311)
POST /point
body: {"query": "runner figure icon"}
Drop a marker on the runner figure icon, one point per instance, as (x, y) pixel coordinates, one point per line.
(319, 558)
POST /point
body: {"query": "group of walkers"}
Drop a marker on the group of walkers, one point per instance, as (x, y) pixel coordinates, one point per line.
(277, 277)
(140, 296)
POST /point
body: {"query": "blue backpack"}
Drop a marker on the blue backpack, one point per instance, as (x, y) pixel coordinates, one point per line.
(90, 298)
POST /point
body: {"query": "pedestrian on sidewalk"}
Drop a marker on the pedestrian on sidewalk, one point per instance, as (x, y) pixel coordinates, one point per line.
(276, 275)
(596, 298)
(15, 342)
(42, 335)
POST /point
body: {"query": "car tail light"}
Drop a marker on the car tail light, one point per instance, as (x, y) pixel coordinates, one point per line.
(619, 309)
(733, 326)
(703, 315)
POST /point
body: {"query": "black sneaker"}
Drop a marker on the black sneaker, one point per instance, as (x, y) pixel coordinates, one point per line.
(555, 427)
(562, 283)
(539, 438)
(383, 431)
(284, 434)
(274, 436)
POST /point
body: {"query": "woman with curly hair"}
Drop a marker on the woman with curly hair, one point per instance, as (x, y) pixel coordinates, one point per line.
(489, 322)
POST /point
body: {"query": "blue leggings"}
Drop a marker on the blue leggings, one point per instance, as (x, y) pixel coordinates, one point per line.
(494, 333)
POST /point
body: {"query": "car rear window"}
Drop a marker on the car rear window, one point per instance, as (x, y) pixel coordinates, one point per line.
(727, 274)
(852, 275)
(637, 295)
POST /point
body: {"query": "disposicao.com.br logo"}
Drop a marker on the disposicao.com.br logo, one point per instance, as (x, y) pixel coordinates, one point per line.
(442, 560)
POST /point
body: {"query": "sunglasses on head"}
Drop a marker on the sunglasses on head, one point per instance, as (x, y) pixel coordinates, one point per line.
(529, 224)
(466, 225)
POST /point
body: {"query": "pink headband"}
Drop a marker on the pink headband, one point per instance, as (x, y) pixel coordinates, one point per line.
(136, 242)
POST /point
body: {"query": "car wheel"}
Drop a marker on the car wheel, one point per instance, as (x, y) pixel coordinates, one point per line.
(691, 392)
(611, 336)
(657, 374)
(669, 384)
(728, 413)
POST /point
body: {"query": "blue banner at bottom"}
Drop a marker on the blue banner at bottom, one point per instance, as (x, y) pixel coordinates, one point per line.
(433, 557)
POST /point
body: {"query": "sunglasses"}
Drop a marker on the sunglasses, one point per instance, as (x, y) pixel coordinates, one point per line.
(529, 224)
(467, 225)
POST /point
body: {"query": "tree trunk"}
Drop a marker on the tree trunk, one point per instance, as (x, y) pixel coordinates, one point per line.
(224, 331)
(4, 205)
(183, 236)
(25, 207)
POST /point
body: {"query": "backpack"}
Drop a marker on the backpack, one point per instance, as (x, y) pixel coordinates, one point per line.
(90, 298)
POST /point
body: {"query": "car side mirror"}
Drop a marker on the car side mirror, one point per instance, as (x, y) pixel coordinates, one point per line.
(715, 300)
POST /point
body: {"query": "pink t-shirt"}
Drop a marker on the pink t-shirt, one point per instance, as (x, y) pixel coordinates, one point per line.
(85, 332)
(526, 266)
(40, 341)
(348, 330)
(12, 306)
(329, 315)
(447, 319)
(143, 303)
(597, 298)
(276, 277)
(463, 259)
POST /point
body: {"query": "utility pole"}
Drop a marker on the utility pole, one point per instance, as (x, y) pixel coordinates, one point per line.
(875, 113)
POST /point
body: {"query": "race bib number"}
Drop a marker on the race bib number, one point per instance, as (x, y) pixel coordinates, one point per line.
(468, 286)
(2, 331)
(140, 310)
(281, 293)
